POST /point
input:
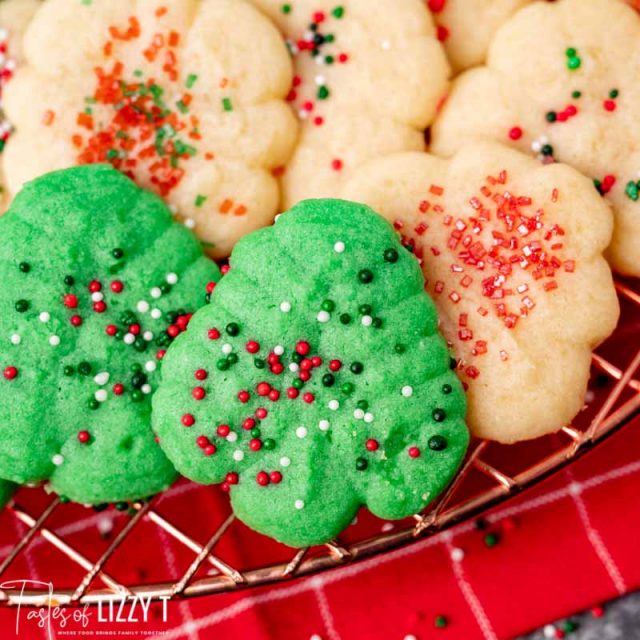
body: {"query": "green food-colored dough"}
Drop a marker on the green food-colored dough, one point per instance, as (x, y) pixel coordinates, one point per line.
(7, 489)
(63, 232)
(335, 275)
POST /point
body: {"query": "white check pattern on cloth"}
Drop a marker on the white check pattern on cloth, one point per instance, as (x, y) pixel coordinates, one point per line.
(189, 628)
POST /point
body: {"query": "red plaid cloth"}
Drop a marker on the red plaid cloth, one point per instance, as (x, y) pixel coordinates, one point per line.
(565, 546)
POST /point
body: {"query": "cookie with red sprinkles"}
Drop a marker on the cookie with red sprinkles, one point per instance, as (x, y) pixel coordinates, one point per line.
(187, 98)
(369, 77)
(560, 85)
(316, 380)
(97, 283)
(512, 253)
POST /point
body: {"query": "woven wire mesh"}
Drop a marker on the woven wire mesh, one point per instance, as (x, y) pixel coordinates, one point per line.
(491, 474)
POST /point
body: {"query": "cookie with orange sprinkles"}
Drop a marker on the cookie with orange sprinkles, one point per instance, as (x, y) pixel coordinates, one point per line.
(186, 97)
(97, 282)
(316, 380)
(574, 101)
(368, 80)
(512, 252)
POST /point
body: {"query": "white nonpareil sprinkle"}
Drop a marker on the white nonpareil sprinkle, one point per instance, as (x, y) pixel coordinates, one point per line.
(232, 437)
(148, 336)
(146, 389)
(358, 414)
(324, 425)
(129, 338)
(238, 455)
(155, 292)
(142, 306)
(227, 348)
(457, 554)
(334, 405)
(278, 350)
(338, 247)
(367, 321)
(190, 223)
(172, 278)
(368, 418)
(293, 367)
(320, 80)
(150, 366)
(285, 307)
(299, 504)
(58, 459)
(323, 316)
(301, 432)
(100, 395)
(549, 631)
(407, 391)
(156, 314)
(285, 462)
(102, 378)
(15, 339)
(54, 341)
(44, 317)
(97, 296)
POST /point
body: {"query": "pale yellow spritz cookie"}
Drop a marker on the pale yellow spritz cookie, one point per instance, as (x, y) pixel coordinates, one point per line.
(185, 96)
(369, 77)
(512, 254)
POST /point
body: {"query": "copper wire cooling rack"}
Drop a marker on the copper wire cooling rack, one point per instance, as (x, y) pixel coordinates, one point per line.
(491, 474)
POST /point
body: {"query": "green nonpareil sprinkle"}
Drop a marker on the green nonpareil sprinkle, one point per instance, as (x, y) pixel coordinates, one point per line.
(227, 105)
(338, 12)
(285, 8)
(323, 92)
(200, 200)
(191, 80)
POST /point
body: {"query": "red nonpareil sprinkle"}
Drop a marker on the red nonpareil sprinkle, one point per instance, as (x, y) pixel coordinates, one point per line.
(303, 348)
(210, 287)
(118, 389)
(160, 354)
(335, 365)
(232, 478)
(609, 105)
(223, 430)
(134, 329)
(414, 452)
(95, 286)
(10, 373)
(252, 346)
(70, 301)
(75, 320)
(337, 164)
(515, 133)
(248, 424)
(275, 477)
(244, 396)
(210, 449)
(308, 398)
(436, 6)
(263, 389)
(83, 437)
(100, 306)
(255, 444)
(305, 376)
(117, 286)
(225, 268)
(201, 374)
(372, 445)
(274, 395)
(261, 413)
(213, 334)
(198, 393)
(188, 420)
(442, 33)
(292, 393)
(262, 478)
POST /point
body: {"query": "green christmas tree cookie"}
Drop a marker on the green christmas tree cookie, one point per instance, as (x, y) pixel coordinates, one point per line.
(7, 489)
(316, 380)
(97, 280)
